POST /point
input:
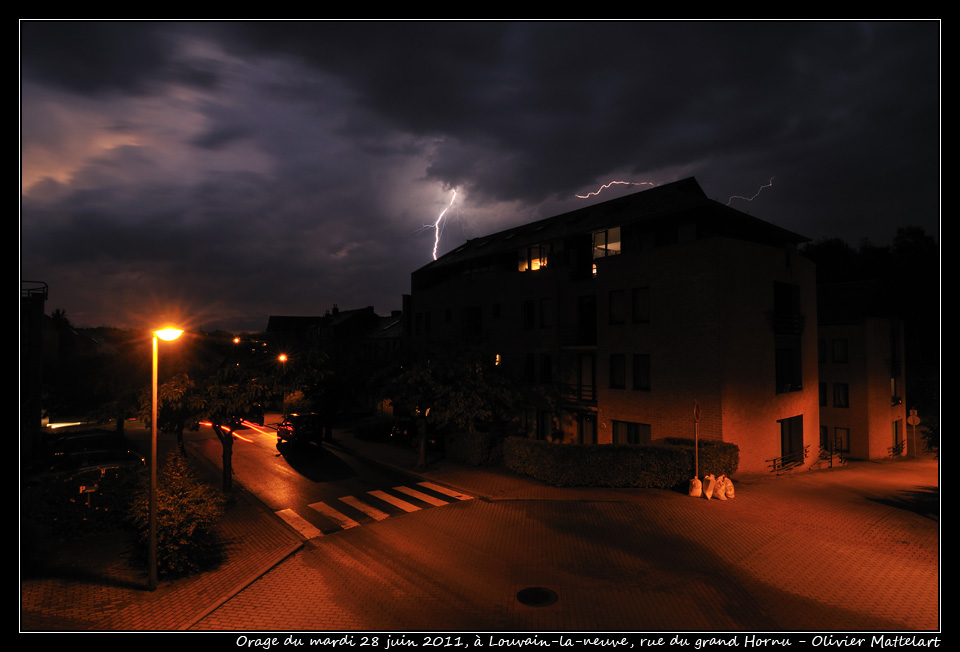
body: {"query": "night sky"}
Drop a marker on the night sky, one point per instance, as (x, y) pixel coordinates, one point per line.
(220, 173)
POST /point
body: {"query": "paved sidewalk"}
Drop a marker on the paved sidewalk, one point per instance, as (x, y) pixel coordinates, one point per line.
(863, 500)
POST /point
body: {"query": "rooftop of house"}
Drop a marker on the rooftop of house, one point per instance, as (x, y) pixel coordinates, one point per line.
(680, 202)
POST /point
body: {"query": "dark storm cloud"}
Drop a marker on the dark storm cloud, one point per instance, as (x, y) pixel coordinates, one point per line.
(294, 165)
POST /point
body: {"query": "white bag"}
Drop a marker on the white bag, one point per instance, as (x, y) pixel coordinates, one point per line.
(696, 488)
(720, 491)
(728, 488)
(709, 485)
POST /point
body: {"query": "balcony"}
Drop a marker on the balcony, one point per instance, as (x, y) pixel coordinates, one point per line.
(574, 394)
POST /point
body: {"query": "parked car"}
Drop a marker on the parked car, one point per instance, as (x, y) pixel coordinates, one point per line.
(300, 428)
(405, 431)
(85, 441)
(78, 463)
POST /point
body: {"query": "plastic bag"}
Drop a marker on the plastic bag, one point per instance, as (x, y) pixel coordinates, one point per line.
(709, 485)
(720, 491)
(696, 488)
(728, 488)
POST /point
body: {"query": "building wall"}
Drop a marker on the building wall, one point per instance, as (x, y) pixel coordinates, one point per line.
(874, 356)
(710, 340)
(707, 334)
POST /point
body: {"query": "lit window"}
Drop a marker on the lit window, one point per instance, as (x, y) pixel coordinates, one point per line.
(606, 243)
(533, 258)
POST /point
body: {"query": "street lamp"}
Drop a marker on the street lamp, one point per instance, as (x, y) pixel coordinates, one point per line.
(282, 359)
(166, 334)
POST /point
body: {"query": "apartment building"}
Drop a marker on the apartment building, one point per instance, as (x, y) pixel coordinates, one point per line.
(633, 311)
(862, 389)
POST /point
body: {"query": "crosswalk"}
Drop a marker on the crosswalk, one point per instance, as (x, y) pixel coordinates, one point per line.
(324, 518)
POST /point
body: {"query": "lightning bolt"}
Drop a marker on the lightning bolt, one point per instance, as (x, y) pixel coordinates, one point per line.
(614, 183)
(769, 183)
(437, 226)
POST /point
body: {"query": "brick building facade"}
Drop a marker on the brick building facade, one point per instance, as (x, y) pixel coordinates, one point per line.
(629, 311)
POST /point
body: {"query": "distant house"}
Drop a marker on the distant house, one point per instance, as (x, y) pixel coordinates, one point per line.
(632, 311)
(353, 341)
(862, 387)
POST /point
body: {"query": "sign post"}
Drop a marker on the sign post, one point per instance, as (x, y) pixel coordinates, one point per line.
(913, 420)
(696, 438)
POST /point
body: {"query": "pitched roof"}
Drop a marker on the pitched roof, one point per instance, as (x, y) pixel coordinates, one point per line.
(680, 201)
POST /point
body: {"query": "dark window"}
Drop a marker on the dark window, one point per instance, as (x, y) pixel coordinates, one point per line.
(529, 313)
(640, 305)
(546, 368)
(788, 363)
(791, 437)
(841, 440)
(544, 425)
(473, 321)
(618, 308)
(546, 313)
(529, 368)
(618, 371)
(839, 351)
(841, 395)
(641, 371)
(587, 428)
(823, 393)
(629, 433)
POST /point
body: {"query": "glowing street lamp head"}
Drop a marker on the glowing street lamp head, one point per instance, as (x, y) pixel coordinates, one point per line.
(282, 357)
(168, 334)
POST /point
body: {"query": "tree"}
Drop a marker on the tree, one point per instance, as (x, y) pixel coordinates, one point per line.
(178, 406)
(229, 394)
(452, 387)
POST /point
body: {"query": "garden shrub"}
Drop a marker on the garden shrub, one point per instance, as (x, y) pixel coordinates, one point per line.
(660, 465)
(476, 448)
(188, 512)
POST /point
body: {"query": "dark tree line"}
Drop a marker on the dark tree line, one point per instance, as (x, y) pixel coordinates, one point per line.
(908, 274)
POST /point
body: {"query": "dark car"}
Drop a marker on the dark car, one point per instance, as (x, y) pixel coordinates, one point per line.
(84, 463)
(86, 441)
(300, 428)
(405, 431)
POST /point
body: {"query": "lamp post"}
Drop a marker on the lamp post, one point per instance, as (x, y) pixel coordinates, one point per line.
(166, 334)
(282, 359)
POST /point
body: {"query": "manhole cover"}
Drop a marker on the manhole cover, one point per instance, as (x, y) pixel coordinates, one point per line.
(536, 596)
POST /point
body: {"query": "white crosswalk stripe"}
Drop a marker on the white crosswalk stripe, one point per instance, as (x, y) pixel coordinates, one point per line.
(393, 500)
(299, 524)
(367, 505)
(453, 493)
(345, 521)
(419, 495)
(367, 509)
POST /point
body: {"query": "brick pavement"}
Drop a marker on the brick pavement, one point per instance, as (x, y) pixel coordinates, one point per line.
(793, 540)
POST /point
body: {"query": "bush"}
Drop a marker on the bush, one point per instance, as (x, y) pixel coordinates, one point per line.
(60, 505)
(188, 512)
(477, 448)
(663, 465)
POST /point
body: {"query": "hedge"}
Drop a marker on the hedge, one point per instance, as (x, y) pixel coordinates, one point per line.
(478, 448)
(665, 464)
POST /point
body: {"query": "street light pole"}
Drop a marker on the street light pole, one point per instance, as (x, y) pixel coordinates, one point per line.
(167, 334)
